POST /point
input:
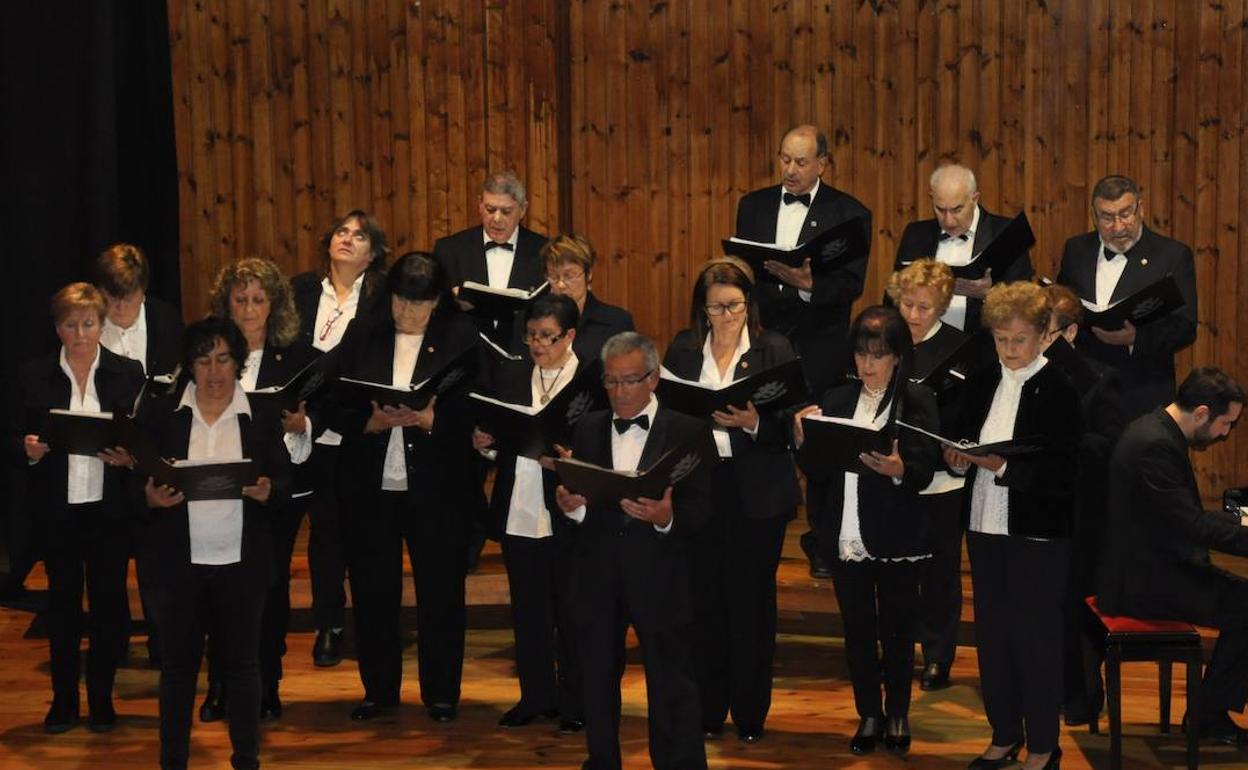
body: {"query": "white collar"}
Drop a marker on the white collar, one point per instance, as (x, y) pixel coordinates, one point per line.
(1019, 376)
(743, 344)
(970, 231)
(90, 373)
(327, 285)
(238, 404)
(572, 361)
(932, 331)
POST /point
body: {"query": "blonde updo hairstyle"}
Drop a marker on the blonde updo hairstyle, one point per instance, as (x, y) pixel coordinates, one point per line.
(923, 273)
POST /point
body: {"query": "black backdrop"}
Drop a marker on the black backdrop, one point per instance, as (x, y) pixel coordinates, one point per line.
(86, 159)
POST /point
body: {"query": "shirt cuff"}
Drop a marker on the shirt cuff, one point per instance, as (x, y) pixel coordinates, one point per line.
(664, 530)
(299, 446)
(753, 432)
(804, 295)
(999, 472)
(577, 515)
(489, 454)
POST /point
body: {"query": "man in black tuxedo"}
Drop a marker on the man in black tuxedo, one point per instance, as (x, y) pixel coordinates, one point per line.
(1111, 263)
(499, 252)
(961, 231)
(1156, 563)
(629, 565)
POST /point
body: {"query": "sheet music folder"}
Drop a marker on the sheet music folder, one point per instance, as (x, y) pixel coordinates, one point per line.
(196, 479)
(498, 303)
(837, 244)
(836, 442)
(1009, 448)
(301, 387)
(79, 433)
(1154, 301)
(604, 486)
(1010, 244)
(415, 395)
(533, 431)
(774, 389)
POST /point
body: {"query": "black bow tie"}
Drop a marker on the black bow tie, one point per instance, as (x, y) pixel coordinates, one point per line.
(1111, 255)
(492, 245)
(803, 199)
(642, 421)
(946, 236)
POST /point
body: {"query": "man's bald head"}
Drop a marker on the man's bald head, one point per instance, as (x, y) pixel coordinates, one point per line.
(955, 195)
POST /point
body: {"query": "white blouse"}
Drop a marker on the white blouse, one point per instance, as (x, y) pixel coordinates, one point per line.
(216, 526)
(527, 515)
(406, 351)
(710, 376)
(86, 474)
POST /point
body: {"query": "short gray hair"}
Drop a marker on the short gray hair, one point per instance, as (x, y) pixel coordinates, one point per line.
(505, 183)
(626, 342)
(957, 169)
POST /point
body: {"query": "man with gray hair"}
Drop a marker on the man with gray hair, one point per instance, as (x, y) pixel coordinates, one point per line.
(961, 230)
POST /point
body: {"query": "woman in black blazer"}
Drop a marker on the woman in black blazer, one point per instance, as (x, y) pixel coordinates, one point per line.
(1020, 522)
(86, 532)
(349, 284)
(255, 295)
(754, 495)
(873, 530)
(569, 260)
(922, 292)
(406, 475)
(212, 561)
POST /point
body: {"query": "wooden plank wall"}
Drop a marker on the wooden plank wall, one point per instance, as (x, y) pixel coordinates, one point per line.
(288, 111)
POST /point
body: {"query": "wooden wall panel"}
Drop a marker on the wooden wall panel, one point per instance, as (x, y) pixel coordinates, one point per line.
(289, 111)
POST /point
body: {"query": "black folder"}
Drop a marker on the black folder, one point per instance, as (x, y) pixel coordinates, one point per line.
(1010, 448)
(836, 442)
(417, 394)
(306, 383)
(955, 366)
(79, 433)
(1073, 365)
(830, 248)
(1011, 243)
(498, 303)
(196, 479)
(604, 486)
(775, 389)
(533, 431)
(1154, 301)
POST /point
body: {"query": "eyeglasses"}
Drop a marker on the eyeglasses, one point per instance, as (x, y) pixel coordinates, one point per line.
(1125, 216)
(732, 308)
(546, 338)
(609, 382)
(567, 279)
(359, 236)
(329, 324)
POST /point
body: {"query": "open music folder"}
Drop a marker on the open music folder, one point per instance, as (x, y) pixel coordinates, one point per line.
(775, 389)
(605, 486)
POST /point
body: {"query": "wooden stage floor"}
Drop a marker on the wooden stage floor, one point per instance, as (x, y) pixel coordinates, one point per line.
(811, 720)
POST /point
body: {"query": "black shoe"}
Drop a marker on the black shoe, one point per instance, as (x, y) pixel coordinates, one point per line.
(103, 718)
(515, 717)
(935, 677)
(62, 716)
(443, 712)
(327, 650)
(1010, 758)
(570, 726)
(215, 705)
(271, 705)
(870, 730)
(1077, 711)
(712, 732)
(819, 568)
(1218, 728)
(369, 710)
(1055, 760)
(897, 735)
(749, 734)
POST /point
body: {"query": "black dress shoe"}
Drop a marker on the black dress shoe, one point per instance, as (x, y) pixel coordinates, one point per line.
(897, 735)
(1010, 758)
(712, 732)
(749, 734)
(870, 730)
(1077, 712)
(1218, 728)
(443, 712)
(369, 710)
(517, 717)
(569, 726)
(215, 705)
(271, 705)
(103, 718)
(819, 568)
(327, 650)
(1055, 760)
(935, 677)
(62, 716)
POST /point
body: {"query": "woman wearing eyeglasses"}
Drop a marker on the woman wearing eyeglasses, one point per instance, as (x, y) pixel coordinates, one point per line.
(349, 284)
(754, 495)
(537, 545)
(569, 260)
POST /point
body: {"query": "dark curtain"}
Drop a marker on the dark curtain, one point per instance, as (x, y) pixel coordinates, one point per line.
(86, 159)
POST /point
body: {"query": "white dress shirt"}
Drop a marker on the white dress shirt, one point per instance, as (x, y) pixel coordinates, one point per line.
(131, 342)
(942, 481)
(958, 252)
(498, 261)
(298, 445)
(216, 526)
(251, 369)
(332, 318)
(849, 545)
(406, 351)
(789, 221)
(1109, 267)
(527, 515)
(710, 376)
(990, 502)
(86, 474)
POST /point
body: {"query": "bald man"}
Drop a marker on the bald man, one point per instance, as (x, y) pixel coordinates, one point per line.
(961, 230)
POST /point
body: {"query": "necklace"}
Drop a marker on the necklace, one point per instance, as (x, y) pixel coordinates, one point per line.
(541, 375)
(873, 393)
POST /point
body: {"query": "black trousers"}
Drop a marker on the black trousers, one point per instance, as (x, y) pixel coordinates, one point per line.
(228, 600)
(547, 664)
(878, 601)
(437, 547)
(940, 578)
(327, 561)
(276, 619)
(1019, 586)
(733, 562)
(1225, 684)
(85, 546)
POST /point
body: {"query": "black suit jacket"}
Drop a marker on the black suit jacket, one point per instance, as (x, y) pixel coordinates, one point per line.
(306, 288)
(817, 328)
(889, 514)
(277, 366)
(164, 336)
(930, 353)
(1156, 563)
(765, 476)
(599, 322)
(42, 385)
(1148, 368)
(1041, 485)
(920, 239)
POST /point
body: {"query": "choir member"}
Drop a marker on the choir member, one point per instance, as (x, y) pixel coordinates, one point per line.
(537, 545)
(1117, 259)
(212, 560)
(960, 231)
(349, 284)
(873, 529)
(138, 325)
(754, 494)
(569, 261)
(1020, 522)
(84, 503)
(405, 475)
(629, 565)
(922, 292)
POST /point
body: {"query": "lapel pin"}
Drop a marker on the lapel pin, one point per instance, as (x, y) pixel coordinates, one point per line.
(277, 357)
(745, 364)
(1144, 261)
(429, 349)
(813, 223)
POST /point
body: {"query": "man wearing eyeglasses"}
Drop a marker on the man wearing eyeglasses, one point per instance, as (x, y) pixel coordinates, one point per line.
(629, 565)
(1117, 259)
